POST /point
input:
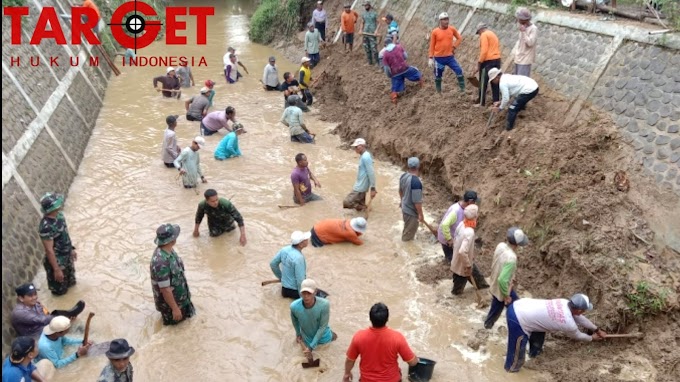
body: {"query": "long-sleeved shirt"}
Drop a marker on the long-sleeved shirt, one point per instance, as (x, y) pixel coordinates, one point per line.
(290, 266)
(525, 48)
(270, 76)
(395, 59)
(293, 117)
(312, 323)
(110, 374)
(167, 82)
(332, 231)
(319, 16)
(190, 161)
(442, 43)
(54, 350)
(169, 151)
(463, 249)
(502, 271)
(489, 46)
(228, 147)
(30, 320)
(220, 217)
(452, 218)
(512, 85)
(366, 174)
(549, 316)
(312, 40)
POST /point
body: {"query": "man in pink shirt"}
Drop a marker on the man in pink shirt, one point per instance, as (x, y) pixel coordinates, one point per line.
(394, 61)
(213, 122)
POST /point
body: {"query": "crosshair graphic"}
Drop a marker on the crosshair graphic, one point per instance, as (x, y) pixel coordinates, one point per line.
(135, 24)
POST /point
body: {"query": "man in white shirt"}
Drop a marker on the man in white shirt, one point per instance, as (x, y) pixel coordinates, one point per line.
(529, 319)
(170, 149)
(525, 48)
(522, 88)
(270, 77)
(319, 18)
(227, 61)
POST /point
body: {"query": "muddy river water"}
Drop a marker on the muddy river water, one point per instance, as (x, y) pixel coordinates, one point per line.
(242, 331)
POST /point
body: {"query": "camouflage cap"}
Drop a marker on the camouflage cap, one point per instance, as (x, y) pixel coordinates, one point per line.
(166, 233)
(51, 202)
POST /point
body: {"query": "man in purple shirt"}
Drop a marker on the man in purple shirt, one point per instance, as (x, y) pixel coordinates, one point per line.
(29, 316)
(302, 178)
(394, 61)
(452, 218)
(213, 122)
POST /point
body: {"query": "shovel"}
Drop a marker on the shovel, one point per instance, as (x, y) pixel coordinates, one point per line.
(434, 231)
(474, 81)
(96, 349)
(311, 362)
(481, 304)
(491, 118)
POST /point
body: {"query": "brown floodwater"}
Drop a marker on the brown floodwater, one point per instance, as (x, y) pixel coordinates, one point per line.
(242, 331)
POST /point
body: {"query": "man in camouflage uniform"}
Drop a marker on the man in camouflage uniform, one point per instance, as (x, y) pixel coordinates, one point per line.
(119, 368)
(59, 252)
(221, 216)
(170, 290)
(370, 25)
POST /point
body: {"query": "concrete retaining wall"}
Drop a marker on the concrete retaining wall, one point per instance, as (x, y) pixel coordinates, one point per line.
(48, 116)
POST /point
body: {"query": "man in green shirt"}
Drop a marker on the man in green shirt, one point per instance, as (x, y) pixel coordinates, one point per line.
(221, 216)
(60, 254)
(310, 315)
(369, 27)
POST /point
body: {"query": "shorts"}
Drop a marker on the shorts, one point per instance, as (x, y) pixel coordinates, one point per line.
(355, 200)
(348, 38)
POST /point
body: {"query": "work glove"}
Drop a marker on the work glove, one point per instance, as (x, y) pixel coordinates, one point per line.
(430, 63)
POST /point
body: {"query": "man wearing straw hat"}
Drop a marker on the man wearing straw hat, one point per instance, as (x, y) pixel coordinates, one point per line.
(523, 89)
(169, 285)
(525, 48)
(333, 231)
(60, 254)
(489, 57)
(119, 368)
(189, 164)
(169, 84)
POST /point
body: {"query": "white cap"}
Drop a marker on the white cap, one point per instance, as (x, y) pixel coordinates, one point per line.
(493, 73)
(200, 141)
(58, 324)
(305, 59)
(358, 224)
(319, 2)
(169, 69)
(298, 237)
(204, 90)
(359, 142)
(443, 15)
(308, 285)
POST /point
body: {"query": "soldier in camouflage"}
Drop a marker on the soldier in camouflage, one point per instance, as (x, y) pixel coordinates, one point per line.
(59, 252)
(119, 368)
(170, 290)
(221, 216)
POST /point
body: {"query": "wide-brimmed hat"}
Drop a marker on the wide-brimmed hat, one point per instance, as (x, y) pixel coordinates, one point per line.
(51, 202)
(358, 224)
(58, 324)
(493, 73)
(166, 233)
(523, 14)
(119, 349)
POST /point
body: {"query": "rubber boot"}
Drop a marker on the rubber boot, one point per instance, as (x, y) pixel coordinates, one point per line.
(394, 96)
(438, 84)
(461, 83)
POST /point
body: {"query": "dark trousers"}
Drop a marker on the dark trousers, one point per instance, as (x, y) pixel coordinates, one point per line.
(205, 131)
(448, 253)
(484, 68)
(316, 242)
(322, 29)
(496, 309)
(459, 282)
(169, 165)
(314, 59)
(307, 97)
(292, 293)
(272, 88)
(518, 105)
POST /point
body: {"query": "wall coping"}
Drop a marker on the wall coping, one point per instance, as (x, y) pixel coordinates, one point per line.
(607, 28)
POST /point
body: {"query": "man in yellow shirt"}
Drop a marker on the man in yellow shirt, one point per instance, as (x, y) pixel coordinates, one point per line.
(442, 48)
(489, 57)
(305, 81)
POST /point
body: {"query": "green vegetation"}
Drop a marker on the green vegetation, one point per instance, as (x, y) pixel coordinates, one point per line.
(13, 3)
(274, 18)
(645, 301)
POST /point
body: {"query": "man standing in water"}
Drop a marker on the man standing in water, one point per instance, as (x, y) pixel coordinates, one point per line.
(292, 118)
(444, 40)
(289, 265)
(365, 178)
(226, 61)
(119, 368)
(210, 84)
(59, 252)
(411, 196)
(189, 164)
(170, 289)
(310, 315)
(302, 178)
(186, 78)
(29, 316)
(452, 218)
(169, 84)
(306, 81)
(197, 106)
(221, 216)
(270, 76)
(463, 262)
(170, 149)
(230, 70)
(369, 26)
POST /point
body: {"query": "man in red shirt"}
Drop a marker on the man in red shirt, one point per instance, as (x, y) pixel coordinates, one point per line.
(398, 69)
(378, 347)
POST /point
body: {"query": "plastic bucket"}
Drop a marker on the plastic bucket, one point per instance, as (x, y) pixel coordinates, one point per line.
(422, 371)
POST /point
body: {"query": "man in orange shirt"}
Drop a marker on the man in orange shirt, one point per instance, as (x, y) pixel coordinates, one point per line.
(90, 4)
(333, 231)
(489, 57)
(378, 347)
(442, 48)
(348, 20)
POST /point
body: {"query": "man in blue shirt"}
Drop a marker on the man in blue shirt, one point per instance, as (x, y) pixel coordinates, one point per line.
(53, 340)
(290, 266)
(310, 316)
(18, 366)
(365, 178)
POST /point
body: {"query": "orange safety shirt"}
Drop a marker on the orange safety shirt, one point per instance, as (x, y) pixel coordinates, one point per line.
(348, 20)
(489, 47)
(332, 231)
(441, 41)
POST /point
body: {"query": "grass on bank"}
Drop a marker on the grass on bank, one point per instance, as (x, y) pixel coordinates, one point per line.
(274, 18)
